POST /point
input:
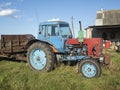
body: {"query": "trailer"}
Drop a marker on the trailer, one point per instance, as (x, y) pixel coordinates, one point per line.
(14, 46)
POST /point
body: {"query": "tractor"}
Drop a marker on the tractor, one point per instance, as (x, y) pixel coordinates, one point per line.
(55, 43)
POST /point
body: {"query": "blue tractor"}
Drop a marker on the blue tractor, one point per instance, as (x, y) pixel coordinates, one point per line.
(55, 42)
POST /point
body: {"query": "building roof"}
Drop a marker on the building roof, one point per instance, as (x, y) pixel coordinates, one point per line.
(104, 26)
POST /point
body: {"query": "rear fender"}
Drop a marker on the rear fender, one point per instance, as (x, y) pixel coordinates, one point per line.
(36, 40)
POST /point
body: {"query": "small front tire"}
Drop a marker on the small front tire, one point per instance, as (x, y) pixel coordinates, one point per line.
(89, 68)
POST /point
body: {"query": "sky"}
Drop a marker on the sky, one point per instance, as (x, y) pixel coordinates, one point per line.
(24, 16)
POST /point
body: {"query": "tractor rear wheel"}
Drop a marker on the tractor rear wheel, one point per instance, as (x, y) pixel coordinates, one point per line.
(89, 68)
(40, 57)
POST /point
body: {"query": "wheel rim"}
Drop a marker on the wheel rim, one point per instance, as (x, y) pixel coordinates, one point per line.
(89, 70)
(38, 59)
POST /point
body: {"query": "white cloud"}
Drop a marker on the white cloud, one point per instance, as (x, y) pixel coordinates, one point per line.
(5, 4)
(5, 9)
(8, 4)
(54, 19)
(21, 0)
(7, 12)
(16, 16)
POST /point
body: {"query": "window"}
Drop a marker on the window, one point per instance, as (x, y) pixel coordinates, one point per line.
(43, 30)
(49, 30)
(65, 30)
(52, 30)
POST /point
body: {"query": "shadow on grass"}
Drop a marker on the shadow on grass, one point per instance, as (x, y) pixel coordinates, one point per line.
(70, 63)
(11, 59)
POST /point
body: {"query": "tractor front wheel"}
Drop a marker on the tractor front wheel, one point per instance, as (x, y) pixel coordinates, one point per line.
(89, 68)
(40, 57)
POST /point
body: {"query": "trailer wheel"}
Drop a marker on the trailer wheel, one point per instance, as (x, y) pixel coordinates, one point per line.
(89, 68)
(40, 57)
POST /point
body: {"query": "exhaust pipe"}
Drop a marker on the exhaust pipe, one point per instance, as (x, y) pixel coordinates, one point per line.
(80, 25)
(80, 34)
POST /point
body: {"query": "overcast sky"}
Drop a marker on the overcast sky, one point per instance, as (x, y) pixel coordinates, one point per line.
(24, 16)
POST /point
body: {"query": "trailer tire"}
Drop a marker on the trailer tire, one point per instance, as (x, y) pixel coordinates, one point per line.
(89, 68)
(40, 57)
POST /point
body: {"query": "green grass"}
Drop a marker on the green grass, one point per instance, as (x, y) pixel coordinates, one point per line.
(18, 76)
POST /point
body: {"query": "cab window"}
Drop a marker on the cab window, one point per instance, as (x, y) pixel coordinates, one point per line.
(43, 32)
(52, 30)
(65, 30)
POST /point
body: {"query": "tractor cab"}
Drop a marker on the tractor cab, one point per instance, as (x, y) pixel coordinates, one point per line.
(55, 33)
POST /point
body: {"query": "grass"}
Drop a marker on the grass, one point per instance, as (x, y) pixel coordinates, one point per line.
(18, 76)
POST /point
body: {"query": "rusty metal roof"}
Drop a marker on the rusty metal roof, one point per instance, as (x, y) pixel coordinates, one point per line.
(105, 26)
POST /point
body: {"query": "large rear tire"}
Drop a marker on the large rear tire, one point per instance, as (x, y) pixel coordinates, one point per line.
(89, 68)
(40, 57)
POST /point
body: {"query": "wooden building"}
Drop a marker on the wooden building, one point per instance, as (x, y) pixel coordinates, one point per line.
(107, 26)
